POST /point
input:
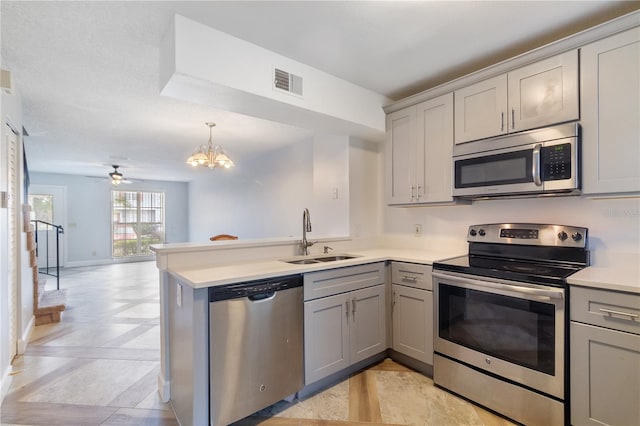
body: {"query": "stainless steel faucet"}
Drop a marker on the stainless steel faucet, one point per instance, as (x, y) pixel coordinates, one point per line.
(306, 227)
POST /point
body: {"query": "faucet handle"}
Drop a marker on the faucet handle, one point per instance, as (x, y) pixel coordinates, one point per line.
(327, 248)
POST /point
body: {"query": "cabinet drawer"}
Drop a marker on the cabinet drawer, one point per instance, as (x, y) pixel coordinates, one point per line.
(335, 281)
(411, 275)
(610, 309)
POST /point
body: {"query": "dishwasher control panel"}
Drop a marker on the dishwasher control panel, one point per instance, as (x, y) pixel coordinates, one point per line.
(255, 289)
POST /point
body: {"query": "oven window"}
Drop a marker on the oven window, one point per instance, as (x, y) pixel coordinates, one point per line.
(500, 169)
(509, 328)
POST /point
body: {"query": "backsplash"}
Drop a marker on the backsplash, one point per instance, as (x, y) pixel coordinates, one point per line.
(614, 223)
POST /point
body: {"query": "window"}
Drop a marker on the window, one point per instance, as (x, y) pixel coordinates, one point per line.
(41, 207)
(137, 222)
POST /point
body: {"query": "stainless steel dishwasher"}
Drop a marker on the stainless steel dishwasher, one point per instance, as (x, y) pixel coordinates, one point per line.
(255, 346)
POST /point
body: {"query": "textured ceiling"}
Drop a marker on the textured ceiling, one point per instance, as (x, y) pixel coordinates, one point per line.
(88, 70)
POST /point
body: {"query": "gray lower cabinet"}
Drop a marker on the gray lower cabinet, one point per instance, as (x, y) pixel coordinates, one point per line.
(413, 322)
(605, 357)
(412, 310)
(345, 328)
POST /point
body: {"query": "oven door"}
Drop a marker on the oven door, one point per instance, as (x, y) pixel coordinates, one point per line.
(509, 329)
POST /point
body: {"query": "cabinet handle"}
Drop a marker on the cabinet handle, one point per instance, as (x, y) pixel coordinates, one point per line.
(409, 278)
(502, 121)
(346, 306)
(420, 192)
(353, 308)
(413, 191)
(612, 312)
(393, 302)
(513, 118)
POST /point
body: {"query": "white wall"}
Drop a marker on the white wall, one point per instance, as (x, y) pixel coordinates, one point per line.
(614, 224)
(258, 199)
(265, 197)
(365, 190)
(87, 233)
(330, 206)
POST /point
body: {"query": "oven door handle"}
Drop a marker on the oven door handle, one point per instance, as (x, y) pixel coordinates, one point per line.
(529, 291)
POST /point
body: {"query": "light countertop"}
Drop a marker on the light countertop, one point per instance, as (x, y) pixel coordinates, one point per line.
(260, 269)
(616, 271)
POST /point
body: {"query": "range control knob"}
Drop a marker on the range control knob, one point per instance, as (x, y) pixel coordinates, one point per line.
(473, 232)
(482, 233)
(576, 236)
(563, 236)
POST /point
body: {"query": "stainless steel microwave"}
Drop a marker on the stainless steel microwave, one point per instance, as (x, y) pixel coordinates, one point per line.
(537, 162)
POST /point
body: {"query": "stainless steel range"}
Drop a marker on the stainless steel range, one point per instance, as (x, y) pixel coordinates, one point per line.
(502, 319)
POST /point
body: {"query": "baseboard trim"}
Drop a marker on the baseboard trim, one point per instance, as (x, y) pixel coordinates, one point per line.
(24, 341)
(164, 388)
(98, 262)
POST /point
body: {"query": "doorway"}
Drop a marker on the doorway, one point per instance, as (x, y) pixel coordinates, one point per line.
(48, 204)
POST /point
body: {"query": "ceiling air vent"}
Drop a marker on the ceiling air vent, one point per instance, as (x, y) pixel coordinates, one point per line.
(290, 83)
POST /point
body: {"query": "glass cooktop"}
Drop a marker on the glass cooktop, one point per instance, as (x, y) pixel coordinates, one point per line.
(510, 269)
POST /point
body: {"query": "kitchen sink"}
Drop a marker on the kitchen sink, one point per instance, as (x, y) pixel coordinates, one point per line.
(334, 258)
(301, 261)
(318, 259)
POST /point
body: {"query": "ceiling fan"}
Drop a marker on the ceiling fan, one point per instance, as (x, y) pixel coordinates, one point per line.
(116, 177)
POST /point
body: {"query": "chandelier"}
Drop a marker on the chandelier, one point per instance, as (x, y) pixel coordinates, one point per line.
(209, 156)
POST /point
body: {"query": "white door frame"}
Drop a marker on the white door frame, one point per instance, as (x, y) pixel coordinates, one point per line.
(59, 194)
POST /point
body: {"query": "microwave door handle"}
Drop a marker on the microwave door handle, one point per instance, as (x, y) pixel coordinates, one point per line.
(535, 167)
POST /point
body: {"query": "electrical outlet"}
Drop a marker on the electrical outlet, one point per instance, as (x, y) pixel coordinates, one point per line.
(417, 230)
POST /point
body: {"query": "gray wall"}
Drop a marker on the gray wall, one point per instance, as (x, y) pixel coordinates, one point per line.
(87, 235)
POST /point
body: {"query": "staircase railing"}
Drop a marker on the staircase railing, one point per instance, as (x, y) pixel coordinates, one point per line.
(59, 231)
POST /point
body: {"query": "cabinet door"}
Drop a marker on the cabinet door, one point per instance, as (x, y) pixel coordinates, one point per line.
(605, 376)
(413, 322)
(434, 138)
(480, 110)
(326, 336)
(400, 160)
(368, 329)
(611, 114)
(544, 93)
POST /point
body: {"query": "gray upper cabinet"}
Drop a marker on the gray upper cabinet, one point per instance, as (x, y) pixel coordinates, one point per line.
(610, 74)
(400, 151)
(434, 121)
(536, 95)
(418, 153)
(480, 110)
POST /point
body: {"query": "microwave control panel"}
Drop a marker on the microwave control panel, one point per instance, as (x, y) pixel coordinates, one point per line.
(556, 162)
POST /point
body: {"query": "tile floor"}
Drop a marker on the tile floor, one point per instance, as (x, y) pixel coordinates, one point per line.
(99, 366)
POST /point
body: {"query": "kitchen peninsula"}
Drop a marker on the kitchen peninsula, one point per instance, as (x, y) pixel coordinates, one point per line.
(187, 271)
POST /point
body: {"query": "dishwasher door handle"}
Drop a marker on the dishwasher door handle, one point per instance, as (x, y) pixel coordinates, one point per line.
(259, 297)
